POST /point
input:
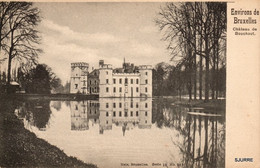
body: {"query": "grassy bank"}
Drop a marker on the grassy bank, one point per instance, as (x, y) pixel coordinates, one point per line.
(21, 148)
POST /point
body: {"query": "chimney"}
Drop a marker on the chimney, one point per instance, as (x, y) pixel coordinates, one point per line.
(101, 63)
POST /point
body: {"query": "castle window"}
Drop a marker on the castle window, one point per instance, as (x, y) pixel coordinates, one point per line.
(114, 113)
(146, 81)
(120, 105)
(137, 81)
(120, 89)
(107, 105)
(146, 73)
(107, 81)
(132, 81)
(120, 81)
(114, 105)
(114, 89)
(107, 114)
(107, 72)
(95, 82)
(76, 107)
(107, 89)
(137, 89)
(120, 113)
(146, 105)
(131, 114)
(146, 89)
(125, 114)
(137, 105)
(76, 86)
(145, 121)
(136, 113)
(107, 122)
(146, 113)
(114, 80)
(131, 105)
(126, 80)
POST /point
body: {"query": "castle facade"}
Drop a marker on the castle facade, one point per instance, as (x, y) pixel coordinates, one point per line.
(128, 81)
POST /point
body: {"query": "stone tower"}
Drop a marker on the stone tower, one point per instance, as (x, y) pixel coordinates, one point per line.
(146, 80)
(105, 80)
(79, 77)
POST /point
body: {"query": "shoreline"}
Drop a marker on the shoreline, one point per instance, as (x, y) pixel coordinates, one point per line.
(21, 148)
(212, 105)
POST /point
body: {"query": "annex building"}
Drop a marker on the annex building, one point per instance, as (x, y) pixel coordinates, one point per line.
(127, 81)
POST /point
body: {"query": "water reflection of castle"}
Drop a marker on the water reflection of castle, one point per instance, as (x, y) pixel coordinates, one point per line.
(125, 113)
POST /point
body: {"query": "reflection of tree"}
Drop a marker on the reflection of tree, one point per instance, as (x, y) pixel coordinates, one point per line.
(200, 139)
(198, 151)
(67, 103)
(165, 114)
(57, 105)
(37, 112)
(157, 113)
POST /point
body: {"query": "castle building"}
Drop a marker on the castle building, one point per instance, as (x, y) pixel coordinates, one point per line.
(93, 82)
(128, 81)
(79, 77)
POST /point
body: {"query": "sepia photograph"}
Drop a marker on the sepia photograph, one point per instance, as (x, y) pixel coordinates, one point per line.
(114, 84)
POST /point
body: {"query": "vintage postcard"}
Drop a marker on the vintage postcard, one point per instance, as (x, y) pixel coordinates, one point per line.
(138, 84)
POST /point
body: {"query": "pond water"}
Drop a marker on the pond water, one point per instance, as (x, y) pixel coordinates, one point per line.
(115, 133)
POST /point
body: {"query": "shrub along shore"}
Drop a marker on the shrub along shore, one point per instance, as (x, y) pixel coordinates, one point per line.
(21, 148)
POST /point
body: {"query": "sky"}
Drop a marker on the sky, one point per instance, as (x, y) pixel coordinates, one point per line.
(88, 32)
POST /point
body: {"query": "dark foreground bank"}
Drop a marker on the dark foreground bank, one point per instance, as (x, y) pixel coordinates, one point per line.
(21, 148)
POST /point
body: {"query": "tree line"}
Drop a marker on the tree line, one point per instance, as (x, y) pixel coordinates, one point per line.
(196, 36)
(19, 42)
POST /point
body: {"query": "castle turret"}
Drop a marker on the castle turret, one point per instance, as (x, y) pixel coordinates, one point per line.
(105, 80)
(101, 63)
(79, 74)
(145, 80)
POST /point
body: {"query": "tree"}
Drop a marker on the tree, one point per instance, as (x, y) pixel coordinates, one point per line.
(4, 10)
(56, 85)
(194, 29)
(159, 76)
(40, 80)
(19, 36)
(66, 88)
